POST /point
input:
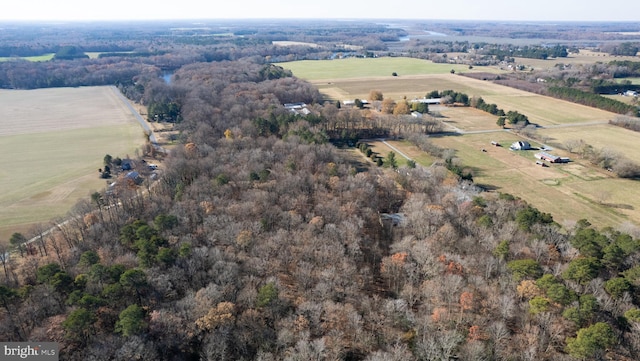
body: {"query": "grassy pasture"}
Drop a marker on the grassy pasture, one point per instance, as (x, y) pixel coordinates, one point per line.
(602, 136)
(622, 98)
(415, 86)
(546, 111)
(467, 118)
(632, 80)
(568, 191)
(540, 109)
(52, 142)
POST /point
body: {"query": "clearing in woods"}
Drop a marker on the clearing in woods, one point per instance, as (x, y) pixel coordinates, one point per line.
(52, 142)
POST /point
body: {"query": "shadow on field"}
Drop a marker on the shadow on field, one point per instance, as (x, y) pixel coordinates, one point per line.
(618, 205)
(487, 187)
(444, 134)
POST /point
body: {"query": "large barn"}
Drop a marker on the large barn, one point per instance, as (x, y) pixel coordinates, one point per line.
(548, 157)
(551, 158)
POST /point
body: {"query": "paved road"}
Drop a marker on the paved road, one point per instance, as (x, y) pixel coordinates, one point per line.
(138, 117)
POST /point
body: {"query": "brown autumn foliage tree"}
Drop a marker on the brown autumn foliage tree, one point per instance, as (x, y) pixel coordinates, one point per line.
(387, 106)
(402, 108)
(375, 95)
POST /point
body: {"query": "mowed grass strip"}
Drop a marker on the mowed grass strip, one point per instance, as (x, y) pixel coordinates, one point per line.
(44, 172)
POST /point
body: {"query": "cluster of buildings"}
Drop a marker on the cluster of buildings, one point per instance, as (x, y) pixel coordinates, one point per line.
(542, 156)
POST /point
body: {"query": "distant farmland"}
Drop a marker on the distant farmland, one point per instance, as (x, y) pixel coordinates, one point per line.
(44, 57)
(369, 67)
(52, 142)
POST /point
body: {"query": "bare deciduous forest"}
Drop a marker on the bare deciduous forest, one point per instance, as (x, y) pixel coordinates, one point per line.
(262, 241)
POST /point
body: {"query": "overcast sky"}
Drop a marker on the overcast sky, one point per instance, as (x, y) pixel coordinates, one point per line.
(535, 10)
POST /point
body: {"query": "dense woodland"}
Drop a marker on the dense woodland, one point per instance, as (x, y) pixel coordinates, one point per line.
(263, 241)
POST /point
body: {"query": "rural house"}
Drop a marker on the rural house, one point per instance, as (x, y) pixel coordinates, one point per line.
(520, 145)
(133, 177)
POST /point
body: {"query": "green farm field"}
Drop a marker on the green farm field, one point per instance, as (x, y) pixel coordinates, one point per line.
(313, 70)
(52, 142)
(44, 57)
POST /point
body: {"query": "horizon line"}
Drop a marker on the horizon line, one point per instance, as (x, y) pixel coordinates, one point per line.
(306, 19)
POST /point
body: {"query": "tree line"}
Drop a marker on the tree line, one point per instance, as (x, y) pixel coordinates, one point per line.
(593, 100)
(533, 51)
